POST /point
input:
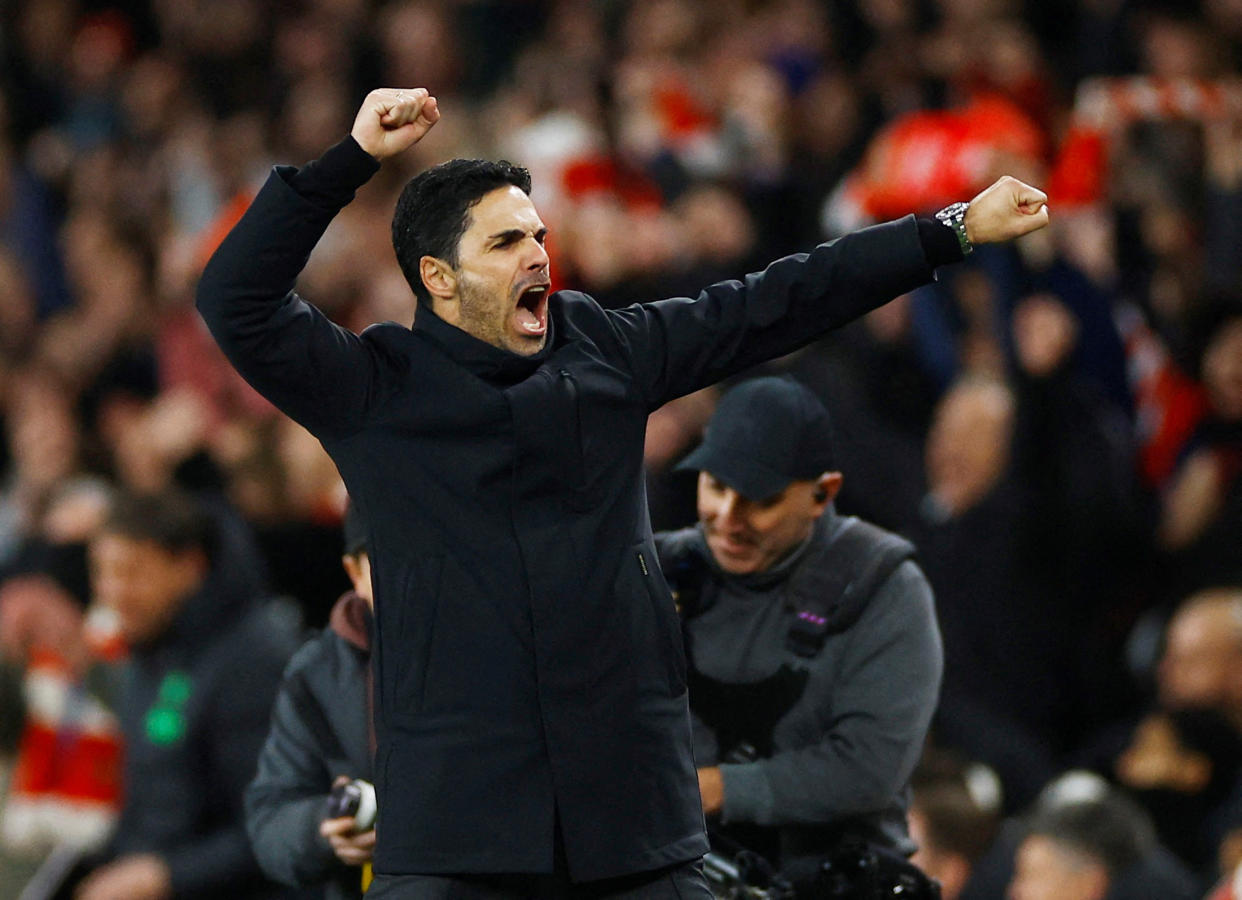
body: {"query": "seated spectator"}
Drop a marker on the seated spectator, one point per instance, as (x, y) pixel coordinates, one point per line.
(321, 735)
(1085, 841)
(1180, 756)
(1202, 507)
(203, 671)
(1003, 694)
(1183, 767)
(1201, 666)
(1029, 500)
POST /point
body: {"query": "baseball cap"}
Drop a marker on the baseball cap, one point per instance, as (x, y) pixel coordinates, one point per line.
(765, 433)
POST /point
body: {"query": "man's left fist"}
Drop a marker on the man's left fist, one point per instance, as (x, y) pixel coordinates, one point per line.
(1006, 210)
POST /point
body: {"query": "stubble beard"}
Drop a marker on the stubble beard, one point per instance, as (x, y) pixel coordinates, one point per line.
(485, 316)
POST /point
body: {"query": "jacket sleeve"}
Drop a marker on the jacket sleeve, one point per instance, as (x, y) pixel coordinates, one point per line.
(285, 802)
(321, 375)
(881, 701)
(680, 345)
(209, 864)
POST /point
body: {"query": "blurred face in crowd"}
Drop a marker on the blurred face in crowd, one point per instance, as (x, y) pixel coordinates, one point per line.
(1222, 370)
(498, 291)
(1202, 661)
(43, 431)
(749, 536)
(1048, 870)
(968, 445)
(143, 583)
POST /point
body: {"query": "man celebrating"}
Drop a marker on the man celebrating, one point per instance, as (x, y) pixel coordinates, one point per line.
(814, 655)
(531, 710)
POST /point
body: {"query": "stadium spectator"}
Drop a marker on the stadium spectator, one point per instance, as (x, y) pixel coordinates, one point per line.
(955, 819)
(1086, 841)
(203, 670)
(321, 737)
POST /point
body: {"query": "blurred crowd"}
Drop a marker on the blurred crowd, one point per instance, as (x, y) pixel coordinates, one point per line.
(1057, 425)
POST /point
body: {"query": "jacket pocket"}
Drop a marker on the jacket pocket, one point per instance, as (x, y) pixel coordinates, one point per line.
(579, 499)
(412, 645)
(667, 622)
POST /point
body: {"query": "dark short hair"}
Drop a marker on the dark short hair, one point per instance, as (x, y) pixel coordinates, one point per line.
(957, 820)
(172, 519)
(1110, 828)
(433, 211)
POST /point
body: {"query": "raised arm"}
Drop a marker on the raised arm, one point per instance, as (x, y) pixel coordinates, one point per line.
(318, 373)
(680, 345)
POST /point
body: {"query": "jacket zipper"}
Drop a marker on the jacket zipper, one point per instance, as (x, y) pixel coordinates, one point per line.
(571, 384)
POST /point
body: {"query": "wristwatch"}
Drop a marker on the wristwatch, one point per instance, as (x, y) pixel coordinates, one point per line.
(954, 216)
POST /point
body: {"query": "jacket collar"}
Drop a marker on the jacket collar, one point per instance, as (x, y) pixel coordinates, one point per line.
(202, 614)
(479, 357)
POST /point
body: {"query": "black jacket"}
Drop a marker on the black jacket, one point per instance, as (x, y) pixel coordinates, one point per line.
(319, 731)
(194, 709)
(529, 666)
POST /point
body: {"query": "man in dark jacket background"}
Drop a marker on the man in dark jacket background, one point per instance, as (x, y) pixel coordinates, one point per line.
(196, 694)
(321, 733)
(531, 711)
(811, 637)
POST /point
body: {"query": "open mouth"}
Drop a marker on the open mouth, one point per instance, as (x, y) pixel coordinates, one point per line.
(532, 310)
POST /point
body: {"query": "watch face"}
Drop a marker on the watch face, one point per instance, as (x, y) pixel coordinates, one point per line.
(954, 216)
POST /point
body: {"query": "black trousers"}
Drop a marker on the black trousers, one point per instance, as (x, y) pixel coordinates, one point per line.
(684, 881)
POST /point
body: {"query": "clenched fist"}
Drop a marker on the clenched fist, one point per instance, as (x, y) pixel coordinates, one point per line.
(394, 119)
(1006, 210)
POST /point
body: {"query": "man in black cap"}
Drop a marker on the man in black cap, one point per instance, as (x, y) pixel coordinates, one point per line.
(814, 656)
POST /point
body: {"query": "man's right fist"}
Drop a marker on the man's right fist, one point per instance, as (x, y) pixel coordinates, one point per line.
(394, 119)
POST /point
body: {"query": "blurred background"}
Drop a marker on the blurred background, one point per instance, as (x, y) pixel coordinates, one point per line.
(1058, 425)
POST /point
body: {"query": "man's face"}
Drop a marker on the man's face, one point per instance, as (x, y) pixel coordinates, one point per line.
(502, 274)
(1201, 657)
(142, 582)
(749, 536)
(1222, 371)
(1046, 870)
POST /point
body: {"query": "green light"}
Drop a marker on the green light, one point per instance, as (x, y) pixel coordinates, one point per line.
(174, 689)
(165, 726)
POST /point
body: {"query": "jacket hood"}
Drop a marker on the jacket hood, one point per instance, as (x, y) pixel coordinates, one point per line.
(351, 619)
